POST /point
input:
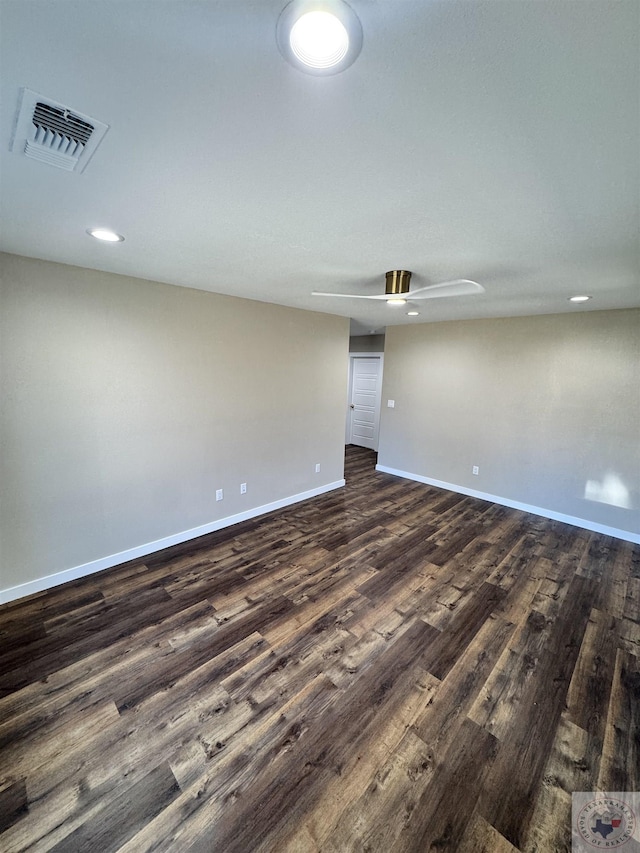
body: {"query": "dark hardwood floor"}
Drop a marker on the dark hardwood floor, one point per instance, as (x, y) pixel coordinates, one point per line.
(388, 667)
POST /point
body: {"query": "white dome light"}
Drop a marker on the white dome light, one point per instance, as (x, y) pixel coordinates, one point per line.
(105, 234)
(319, 37)
(319, 40)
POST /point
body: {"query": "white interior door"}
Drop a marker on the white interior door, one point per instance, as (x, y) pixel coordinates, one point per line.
(364, 401)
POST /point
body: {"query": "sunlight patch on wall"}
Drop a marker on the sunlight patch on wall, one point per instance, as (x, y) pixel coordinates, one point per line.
(611, 490)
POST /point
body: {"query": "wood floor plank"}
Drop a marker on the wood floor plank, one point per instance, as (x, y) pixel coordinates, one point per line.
(527, 743)
(136, 807)
(628, 635)
(454, 639)
(441, 815)
(89, 679)
(632, 600)
(566, 771)
(620, 765)
(166, 671)
(481, 837)
(496, 706)
(590, 688)
(13, 801)
(197, 818)
(376, 818)
(389, 666)
(313, 759)
(616, 578)
(23, 758)
(458, 692)
(34, 664)
(332, 818)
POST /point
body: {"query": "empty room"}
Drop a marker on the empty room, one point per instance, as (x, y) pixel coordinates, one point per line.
(319, 426)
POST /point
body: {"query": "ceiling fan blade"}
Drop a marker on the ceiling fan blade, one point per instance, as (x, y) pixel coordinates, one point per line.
(459, 287)
(352, 295)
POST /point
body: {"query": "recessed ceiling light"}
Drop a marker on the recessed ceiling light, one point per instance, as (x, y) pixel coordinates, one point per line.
(395, 301)
(412, 313)
(319, 38)
(579, 298)
(105, 234)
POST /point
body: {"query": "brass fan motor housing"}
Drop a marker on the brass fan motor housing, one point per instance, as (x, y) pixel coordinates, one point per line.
(398, 282)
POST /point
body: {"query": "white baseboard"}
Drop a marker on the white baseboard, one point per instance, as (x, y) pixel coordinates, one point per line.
(627, 535)
(40, 584)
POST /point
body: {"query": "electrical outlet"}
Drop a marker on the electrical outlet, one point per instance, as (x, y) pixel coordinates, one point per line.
(243, 488)
(391, 404)
(476, 470)
(219, 494)
(317, 467)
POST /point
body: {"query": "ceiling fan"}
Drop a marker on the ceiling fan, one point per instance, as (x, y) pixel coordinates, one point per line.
(397, 289)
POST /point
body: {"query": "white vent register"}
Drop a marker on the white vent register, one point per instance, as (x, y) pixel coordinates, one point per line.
(54, 133)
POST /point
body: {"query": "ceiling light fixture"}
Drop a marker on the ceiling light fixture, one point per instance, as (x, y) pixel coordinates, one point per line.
(105, 234)
(319, 38)
(412, 313)
(579, 298)
(397, 284)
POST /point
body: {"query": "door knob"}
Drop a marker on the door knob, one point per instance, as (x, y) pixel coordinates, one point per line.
(352, 406)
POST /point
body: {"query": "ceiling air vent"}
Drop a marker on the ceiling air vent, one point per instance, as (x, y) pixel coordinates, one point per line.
(55, 134)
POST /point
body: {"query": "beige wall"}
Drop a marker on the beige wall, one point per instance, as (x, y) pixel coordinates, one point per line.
(366, 343)
(127, 403)
(543, 405)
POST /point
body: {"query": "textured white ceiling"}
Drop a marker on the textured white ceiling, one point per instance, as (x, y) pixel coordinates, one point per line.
(496, 140)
